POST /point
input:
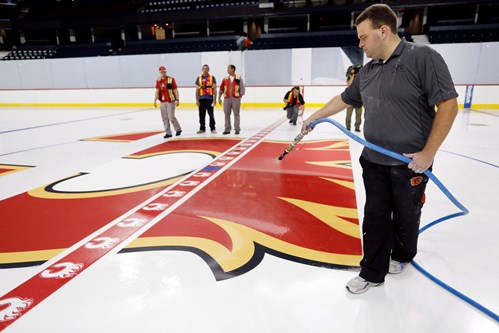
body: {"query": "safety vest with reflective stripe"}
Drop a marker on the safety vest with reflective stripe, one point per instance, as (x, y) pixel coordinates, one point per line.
(205, 85)
(236, 86)
(291, 98)
(169, 89)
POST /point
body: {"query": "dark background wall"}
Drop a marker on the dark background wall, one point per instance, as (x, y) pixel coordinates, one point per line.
(72, 28)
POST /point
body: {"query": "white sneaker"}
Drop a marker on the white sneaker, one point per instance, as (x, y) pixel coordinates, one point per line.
(396, 267)
(213, 131)
(358, 285)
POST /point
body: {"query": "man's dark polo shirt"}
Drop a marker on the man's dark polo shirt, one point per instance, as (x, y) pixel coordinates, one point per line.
(399, 98)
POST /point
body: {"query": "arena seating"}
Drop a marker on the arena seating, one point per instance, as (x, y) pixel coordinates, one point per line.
(336, 38)
(189, 5)
(83, 50)
(473, 33)
(24, 52)
(27, 52)
(305, 39)
(194, 44)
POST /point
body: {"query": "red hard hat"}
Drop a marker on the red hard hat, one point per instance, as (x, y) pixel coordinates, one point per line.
(162, 68)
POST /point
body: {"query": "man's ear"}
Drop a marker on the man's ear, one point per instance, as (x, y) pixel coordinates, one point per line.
(384, 31)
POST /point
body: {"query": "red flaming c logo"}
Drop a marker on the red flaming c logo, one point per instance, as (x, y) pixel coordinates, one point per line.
(302, 209)
(415, 181)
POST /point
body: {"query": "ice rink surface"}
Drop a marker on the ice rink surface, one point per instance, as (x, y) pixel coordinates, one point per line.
(210, 261)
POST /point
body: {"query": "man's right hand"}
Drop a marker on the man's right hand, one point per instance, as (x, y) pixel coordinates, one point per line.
(307, 122)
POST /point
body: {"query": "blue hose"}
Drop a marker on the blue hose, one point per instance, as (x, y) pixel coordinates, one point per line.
(464, 210)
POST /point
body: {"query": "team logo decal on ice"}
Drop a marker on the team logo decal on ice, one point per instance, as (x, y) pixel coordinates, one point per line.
(102, 243)
(303, 209)
(13, 307)
(155, 206)
(132, 223)
(62, 270)
(174, 194)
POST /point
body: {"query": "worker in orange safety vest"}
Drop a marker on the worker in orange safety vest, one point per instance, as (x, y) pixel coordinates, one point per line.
(206, 93)
(294, 104)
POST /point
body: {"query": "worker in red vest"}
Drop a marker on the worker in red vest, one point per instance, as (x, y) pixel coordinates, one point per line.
(233, 89)
(206, 93)
(167, 94)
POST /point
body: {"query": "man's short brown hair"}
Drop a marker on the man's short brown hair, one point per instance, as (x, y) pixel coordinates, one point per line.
(379, 14)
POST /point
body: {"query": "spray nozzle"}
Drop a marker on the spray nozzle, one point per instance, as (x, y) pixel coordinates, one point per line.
(291, 146)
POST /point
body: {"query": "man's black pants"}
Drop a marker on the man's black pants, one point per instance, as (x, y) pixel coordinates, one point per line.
(394, 198)
(206, 105)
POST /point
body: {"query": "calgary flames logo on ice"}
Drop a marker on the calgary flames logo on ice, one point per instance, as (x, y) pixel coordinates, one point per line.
(302, 209)
(61, 270)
